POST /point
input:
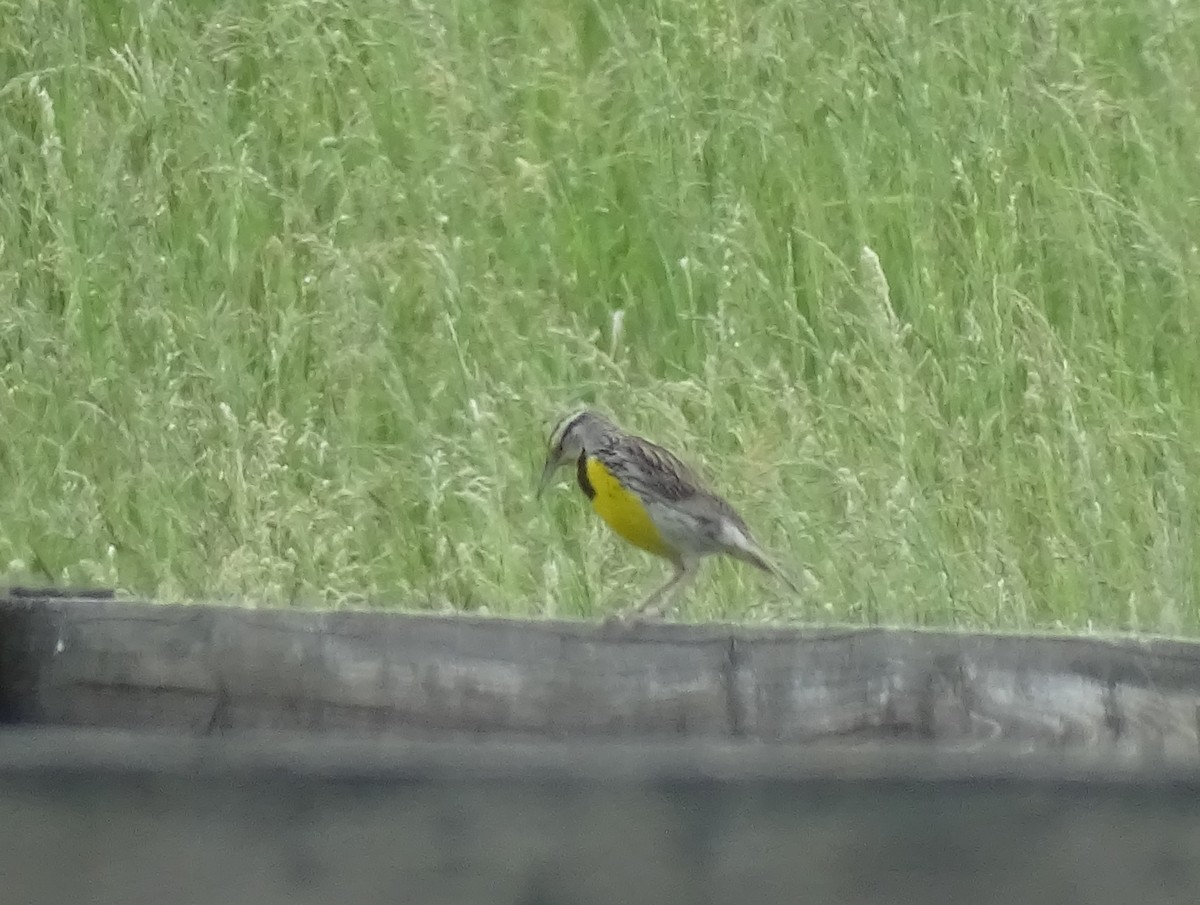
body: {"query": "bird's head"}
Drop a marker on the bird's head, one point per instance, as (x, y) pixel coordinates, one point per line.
(571, 437)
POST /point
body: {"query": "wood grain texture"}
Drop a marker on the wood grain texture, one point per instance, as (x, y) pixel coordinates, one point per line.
(93, 662)
(141, 819)
(205, 669)
(970, 689)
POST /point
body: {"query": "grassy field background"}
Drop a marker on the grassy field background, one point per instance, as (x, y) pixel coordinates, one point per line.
(291, 292)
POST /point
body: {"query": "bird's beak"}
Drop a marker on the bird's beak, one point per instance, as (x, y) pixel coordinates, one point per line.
(547, 474)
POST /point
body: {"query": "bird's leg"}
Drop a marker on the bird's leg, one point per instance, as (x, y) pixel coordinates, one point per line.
(659, 603)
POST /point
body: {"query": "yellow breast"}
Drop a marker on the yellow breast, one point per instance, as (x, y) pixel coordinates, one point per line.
(622, 510)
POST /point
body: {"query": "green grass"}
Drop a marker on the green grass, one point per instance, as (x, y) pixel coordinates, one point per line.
(289, 297)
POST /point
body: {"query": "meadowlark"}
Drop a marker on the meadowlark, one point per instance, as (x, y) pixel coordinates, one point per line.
(653, 500)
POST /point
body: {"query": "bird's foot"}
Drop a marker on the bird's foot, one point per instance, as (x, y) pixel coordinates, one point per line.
(635, 616)
(624, 619)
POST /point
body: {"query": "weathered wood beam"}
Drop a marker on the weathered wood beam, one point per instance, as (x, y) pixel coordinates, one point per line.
(200, 669)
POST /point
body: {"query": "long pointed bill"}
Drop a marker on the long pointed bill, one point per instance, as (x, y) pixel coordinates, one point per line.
(547, 474)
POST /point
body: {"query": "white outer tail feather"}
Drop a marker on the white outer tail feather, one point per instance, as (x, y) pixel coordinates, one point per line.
(743, 547)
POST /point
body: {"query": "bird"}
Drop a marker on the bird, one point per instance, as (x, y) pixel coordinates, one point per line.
(649, 497)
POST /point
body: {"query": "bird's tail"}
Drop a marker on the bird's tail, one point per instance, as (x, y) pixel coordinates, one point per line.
(745, 549)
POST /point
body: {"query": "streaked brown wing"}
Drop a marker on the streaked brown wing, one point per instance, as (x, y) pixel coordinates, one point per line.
(686, 488)
(670, 478)
(657, 473)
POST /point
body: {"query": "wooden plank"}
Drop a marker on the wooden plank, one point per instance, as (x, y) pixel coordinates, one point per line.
(207, 669)
(968, 689)
(140, 819)
(203, 669)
